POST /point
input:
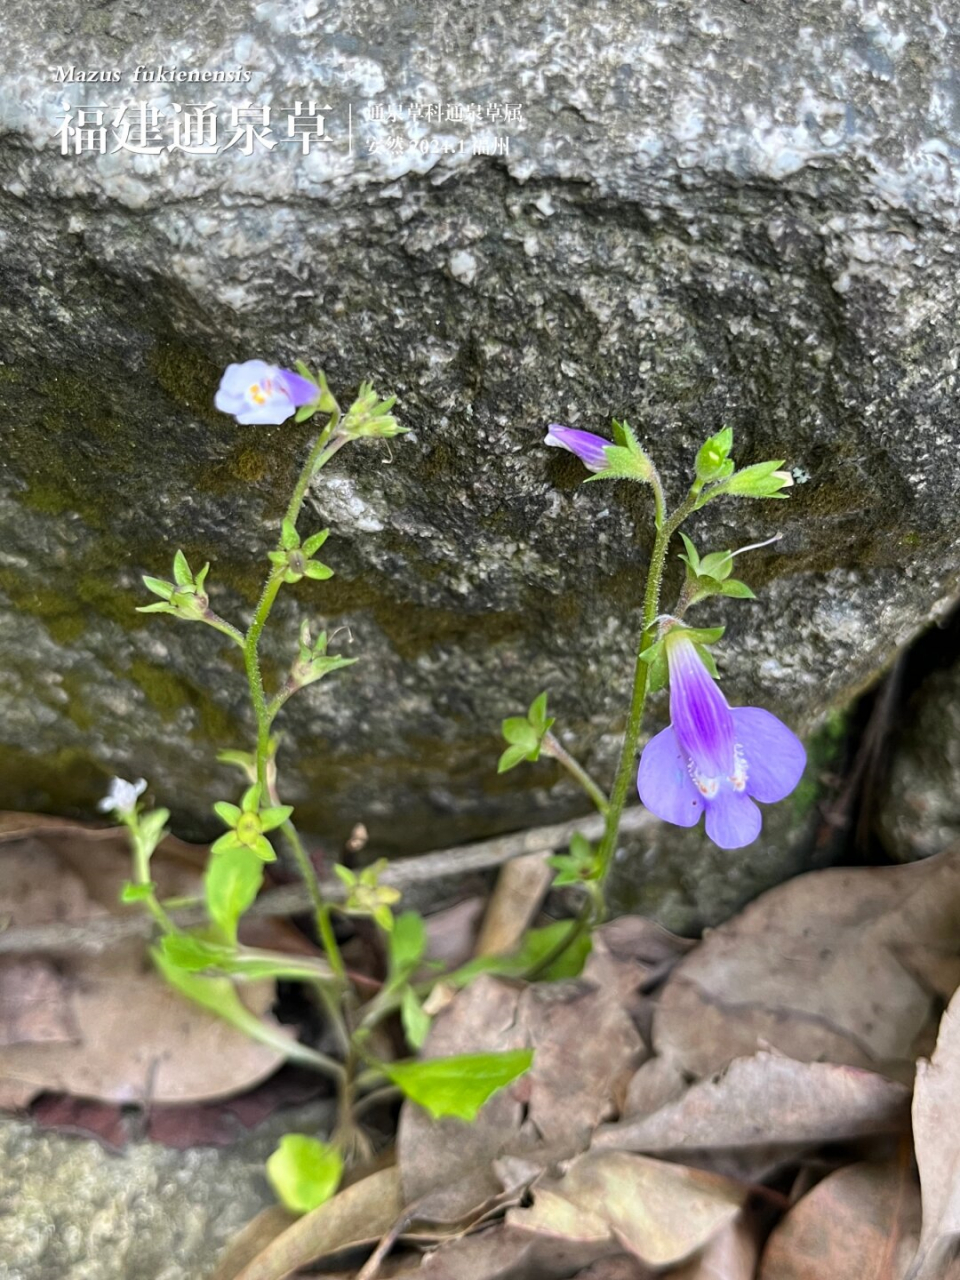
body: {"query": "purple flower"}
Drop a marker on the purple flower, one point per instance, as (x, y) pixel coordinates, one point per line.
(260, 394)
(714, 758)
(588, 447)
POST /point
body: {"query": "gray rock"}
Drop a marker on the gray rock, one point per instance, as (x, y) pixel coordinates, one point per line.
(919, 812)
(709, 213)
(70, 1208)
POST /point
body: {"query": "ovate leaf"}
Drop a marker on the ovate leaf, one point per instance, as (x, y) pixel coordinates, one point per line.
(458, 1086)
(304, 1172)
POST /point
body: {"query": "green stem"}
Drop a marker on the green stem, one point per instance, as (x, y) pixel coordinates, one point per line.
(651, 604)
(320, 907)
(141, 875)
(551, 747)
(228, 629)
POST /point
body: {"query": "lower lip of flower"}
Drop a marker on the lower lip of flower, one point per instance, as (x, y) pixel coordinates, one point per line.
(710, 786)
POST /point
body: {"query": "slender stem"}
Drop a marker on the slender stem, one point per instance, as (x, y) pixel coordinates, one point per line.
(585, 918)
(141, 875)
(220, 624)
(659, 502)
(551, 747)
(321, 908)
(651, 603)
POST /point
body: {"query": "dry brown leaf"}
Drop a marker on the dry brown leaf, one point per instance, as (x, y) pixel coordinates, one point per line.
(762, 1111)
(621, 1267)
(936, 1132)
(361, 1213)
(35, 1002)
(521, 887)
(585, 1048)
(251, 1241)
(730, 1255)
(812, 968)
(135, 1039)
(660, 1212)
(658, 1081)
(859, 1222)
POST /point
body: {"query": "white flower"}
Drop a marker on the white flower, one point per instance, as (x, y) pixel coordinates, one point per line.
(122, 796)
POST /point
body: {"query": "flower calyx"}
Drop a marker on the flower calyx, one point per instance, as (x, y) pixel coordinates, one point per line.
(655, 655)
(324, 402)
(579, 865)
(370, 416)
(185, 597)
(313, 662)
(709, 575)
(248, 823)
(293, 560)
(525, 734)
(366, 896)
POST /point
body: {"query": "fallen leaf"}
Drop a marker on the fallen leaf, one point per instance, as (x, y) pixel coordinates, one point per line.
(660, 1212)
(762, 1111)
(731, 1255)
(936, 1131)
(585, 1049)
(35, 1002)
(520, 888)
(360, 1213)
(861, 1221)
(135, 1040)
(620, 1267)
(507, 1253)
(812, 969)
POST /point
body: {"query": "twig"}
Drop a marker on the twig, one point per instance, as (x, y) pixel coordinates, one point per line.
(96, 936)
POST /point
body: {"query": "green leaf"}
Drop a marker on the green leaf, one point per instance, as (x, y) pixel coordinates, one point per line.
(511, 758)
(458, 1086)
(158, 587)
(304, 372)
(289, 538)
(739, 590)
(408, 942)
(304, 1172)
(702, 635)
(315, 542)
(518, 731)
(416, 1023)
(192, 953)
(383, 916)
(231, 883)
(319, 572)
(136, 892)
(227, 813)
(345, 874)
(181, 571)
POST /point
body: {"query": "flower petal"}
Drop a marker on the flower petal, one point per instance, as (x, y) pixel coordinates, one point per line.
(300, 390)
(733, 820)
(664, 782)
(699, 712)
(588, 447)
(775, 756)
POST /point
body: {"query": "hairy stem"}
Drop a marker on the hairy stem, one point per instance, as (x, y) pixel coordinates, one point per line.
(651, 604)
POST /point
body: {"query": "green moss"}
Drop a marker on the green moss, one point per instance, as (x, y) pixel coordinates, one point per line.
(62, 616)
(187, 376)
(66, 782)
(825, 749)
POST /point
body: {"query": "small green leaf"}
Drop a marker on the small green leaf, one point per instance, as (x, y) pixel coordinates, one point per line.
(536, 945)
(408, 942)
(158, 587)
(136, 892)
(181, 571)
(416, 1023)
(458, 1086)
(739, 590)
(193, 954)
(718, 565)
(304, 1172)
(289, 538)
(231, 883)
(319, 572)
(227, 813)
(511, 758)
(345, 874)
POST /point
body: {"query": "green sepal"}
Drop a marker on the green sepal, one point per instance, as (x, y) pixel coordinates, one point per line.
(519, 732)
(762, 480)
(250, 800)
(691, 559)
(315, 542)
(304, 1172)
(458, 1086)
(512, 757)
(305, 411)
(227, 812)
(158, 586)
(262, 847)
(181, 571)
(737, 589)
(320, 572)
(416, 1023)
(277, 557)
(228, 841)
(344, 874)
(713, 457)
(537, 715)
(578, 865)
(699, 635)
(289, 538)
(708, 660)
(275, 816)
(155, 608)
